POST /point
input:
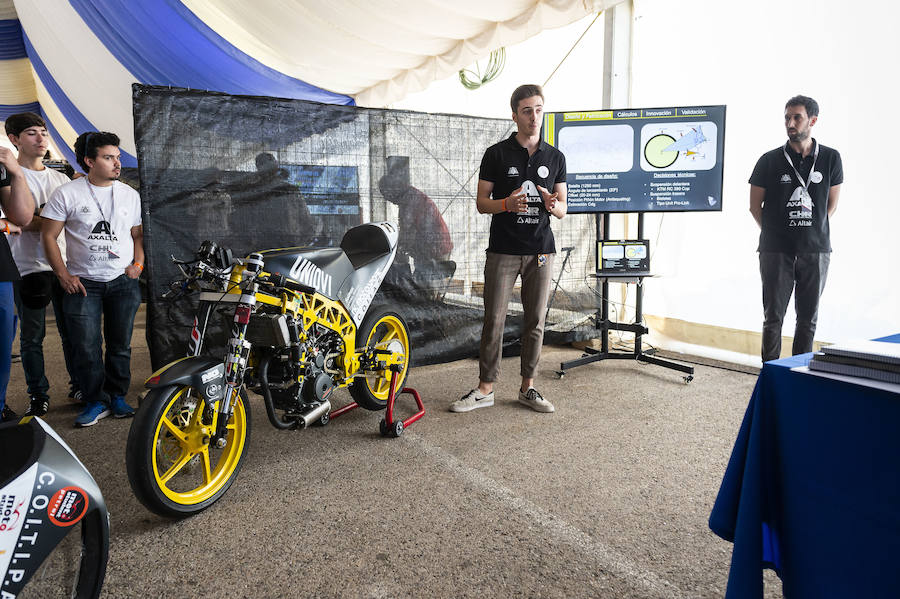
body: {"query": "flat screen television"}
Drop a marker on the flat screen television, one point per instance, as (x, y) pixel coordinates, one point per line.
(641, 159)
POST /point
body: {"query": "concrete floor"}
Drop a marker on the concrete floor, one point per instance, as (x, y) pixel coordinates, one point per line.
(607, 497)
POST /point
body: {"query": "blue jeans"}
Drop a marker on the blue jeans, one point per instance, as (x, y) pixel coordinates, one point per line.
(32, 330)
(116, 302)
(7, 334)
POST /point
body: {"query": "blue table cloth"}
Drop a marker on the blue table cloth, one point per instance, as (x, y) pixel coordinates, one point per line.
(812, 489)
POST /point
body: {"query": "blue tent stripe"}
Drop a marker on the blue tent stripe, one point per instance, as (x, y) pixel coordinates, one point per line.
(161, 42)
(76, 119)
(12, 46)
(8, 109)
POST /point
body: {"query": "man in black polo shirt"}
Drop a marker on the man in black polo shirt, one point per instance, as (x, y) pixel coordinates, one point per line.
(513, 185)
(794, 190)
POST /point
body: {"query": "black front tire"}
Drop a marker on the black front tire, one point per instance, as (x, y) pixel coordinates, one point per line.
(181, 474)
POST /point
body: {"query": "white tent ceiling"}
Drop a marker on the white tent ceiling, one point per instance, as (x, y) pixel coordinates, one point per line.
(381, 50)
(75, 60)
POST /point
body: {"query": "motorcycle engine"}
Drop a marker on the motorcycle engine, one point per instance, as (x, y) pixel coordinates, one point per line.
(318, 370)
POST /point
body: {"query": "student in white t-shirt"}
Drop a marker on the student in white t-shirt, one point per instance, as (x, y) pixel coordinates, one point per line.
(38, 286)
(104, 245)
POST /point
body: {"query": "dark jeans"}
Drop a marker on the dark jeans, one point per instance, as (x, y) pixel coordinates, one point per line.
(116, 302)
(7, 334)
(782, 274)
(32, 329)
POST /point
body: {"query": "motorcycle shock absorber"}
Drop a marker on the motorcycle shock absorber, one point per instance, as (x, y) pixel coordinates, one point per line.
(296, 345)
(235, 366)
(238, 353)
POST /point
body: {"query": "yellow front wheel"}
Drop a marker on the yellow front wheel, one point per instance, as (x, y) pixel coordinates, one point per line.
(381, 329)
(174, 466)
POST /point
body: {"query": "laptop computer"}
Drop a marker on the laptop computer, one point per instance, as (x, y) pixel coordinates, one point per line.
(624, 258)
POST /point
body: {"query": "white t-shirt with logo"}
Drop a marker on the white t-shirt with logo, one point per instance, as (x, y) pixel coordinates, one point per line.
(98, 226)
(26, 246)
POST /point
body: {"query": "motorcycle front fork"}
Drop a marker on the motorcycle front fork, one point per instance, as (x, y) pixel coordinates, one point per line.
(236, 359)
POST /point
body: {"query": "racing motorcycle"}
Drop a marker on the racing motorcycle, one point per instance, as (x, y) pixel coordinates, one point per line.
(303, 324)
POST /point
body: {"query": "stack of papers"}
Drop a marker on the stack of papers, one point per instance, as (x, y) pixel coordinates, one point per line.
(878, 360)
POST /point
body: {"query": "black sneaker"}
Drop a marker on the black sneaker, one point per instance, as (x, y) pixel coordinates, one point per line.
(38, 407)
(7, 415)
(75, 394)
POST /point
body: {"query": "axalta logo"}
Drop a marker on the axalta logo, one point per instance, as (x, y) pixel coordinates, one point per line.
(308, 273)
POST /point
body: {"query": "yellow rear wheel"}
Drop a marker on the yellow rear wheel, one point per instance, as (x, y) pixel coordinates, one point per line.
(381, 329)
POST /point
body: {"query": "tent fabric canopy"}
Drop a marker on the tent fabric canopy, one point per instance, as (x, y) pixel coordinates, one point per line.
(382, 50)
(82, 56)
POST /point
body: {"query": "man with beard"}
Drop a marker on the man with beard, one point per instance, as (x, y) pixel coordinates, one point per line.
(104, 244)
(794, 190)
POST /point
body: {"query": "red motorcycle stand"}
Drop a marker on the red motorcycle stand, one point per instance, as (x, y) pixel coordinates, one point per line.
(388, 426)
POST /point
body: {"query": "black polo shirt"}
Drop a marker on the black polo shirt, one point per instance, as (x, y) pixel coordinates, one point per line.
(8, 270)
(508, 166)
(786, 227)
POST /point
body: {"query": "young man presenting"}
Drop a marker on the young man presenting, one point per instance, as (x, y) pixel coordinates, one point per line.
(104, 242)
(794, 190)
(18, 208)
(38, 287)
(513, 185)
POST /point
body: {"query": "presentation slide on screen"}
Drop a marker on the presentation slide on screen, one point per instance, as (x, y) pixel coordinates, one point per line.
(641, 159)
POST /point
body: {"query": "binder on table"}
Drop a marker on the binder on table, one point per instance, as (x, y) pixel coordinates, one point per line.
(872, 351)
(880, 371)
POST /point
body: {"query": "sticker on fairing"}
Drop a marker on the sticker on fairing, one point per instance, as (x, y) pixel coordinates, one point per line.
(14, 501)
(67, 506)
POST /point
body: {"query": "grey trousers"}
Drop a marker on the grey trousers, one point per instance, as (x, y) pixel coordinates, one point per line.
(782, 274)
(500, 273)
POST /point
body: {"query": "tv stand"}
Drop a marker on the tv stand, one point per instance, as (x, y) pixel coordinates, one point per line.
(605, 325)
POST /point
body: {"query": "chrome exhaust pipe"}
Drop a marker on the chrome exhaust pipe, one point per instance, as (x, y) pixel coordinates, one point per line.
(314, 414)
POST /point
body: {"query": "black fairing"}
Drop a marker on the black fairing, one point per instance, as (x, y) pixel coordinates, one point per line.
(324, 269)
(50, 488)
(350, 274)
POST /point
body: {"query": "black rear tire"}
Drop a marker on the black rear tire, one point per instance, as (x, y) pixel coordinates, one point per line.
(383, 329)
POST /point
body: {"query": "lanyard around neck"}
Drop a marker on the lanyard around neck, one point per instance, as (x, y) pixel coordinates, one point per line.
(112, 199)
(812, 169)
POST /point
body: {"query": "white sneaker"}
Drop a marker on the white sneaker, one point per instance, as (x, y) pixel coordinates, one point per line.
(535, 401)
(471, 400)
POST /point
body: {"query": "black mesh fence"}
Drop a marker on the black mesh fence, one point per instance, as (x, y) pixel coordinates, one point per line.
(253, 173)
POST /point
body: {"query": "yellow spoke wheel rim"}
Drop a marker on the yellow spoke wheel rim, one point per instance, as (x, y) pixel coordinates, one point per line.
(186, 469)
(390, 334)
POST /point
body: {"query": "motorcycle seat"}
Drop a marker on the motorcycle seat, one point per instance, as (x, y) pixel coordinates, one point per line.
(365, 244)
